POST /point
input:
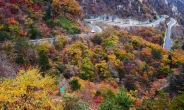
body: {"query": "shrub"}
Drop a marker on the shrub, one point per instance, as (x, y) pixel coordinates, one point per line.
(76, 30)
(44, 62)
(97, 39)
(51, 23)
(73, 102)
(97, 93)
(61, 68)
(14, 29)
(4, 36)
(20, 59)
(74, 84)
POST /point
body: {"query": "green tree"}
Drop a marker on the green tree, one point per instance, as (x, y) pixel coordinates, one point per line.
(4, 36)
(44, 62)
(47, 14)
(161, 41)
(33, 32)
(178, 102)
(182, 46)
(120, 101)
(136, 44)
(74, 84)
(156, 53)
(111, 41)
(175, 45)
(165, 69)
(170, 63)
(20, 59)
(87, 69)
(161, 104)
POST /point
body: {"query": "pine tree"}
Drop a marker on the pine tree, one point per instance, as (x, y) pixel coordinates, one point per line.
(182, 46)
(20, 59)
(48, 14)
(75, 84)
(120, 101)
(44, 62)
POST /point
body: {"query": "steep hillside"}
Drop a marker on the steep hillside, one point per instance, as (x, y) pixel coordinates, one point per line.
(93, 69)
(179, 6)
(38, 18)
(114, 69)
(138, 9)
(122, 8)
(173, 8)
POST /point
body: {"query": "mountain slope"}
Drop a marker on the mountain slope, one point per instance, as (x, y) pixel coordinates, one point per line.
(122, 8)
(138, 9)
(38, 18)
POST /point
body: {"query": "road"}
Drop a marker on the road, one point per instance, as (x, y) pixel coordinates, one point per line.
(128, 22)
(52, 39)
(167, 41)
(95, 28)
(137, 23)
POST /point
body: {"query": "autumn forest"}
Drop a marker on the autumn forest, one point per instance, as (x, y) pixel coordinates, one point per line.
(116, 69)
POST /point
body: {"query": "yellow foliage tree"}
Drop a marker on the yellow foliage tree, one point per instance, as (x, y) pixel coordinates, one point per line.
(59, 44)
(44, 46)
(102, 69)
(113, 59)
(7, 46)
(29, 91)
(67, 6)
(76, 50)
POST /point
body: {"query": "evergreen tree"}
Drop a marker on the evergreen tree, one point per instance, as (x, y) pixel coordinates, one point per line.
(178, 102)
(120, 101)
(170, 63)
(4, 36)
(34, 32)
(20, 59)
(44, 62)
(156, 53)
(182, 46)
(75, 84)
(48, 14)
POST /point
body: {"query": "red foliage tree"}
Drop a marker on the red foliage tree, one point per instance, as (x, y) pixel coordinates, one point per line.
(98, 99)
(11, 20)
(36, 8)
(12, 1)
(2, 3)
